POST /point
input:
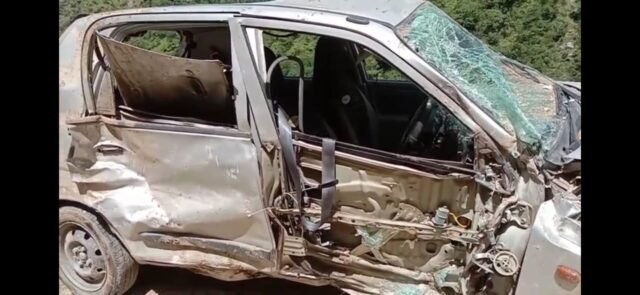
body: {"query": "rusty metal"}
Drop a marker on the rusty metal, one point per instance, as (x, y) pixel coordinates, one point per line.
(421, 231)
(239, 251)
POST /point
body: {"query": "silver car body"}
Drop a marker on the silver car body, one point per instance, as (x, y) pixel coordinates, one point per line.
(154, 182)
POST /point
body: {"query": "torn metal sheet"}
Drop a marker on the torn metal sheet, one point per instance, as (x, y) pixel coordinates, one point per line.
(169, 85)
(207, 264)
(234, 250)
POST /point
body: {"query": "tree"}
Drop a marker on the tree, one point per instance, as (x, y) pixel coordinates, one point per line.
(544, 34)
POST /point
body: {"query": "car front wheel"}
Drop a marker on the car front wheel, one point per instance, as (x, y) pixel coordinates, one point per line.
(92, 260)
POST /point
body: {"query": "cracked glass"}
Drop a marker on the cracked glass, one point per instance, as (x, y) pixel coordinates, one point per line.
(519, 98)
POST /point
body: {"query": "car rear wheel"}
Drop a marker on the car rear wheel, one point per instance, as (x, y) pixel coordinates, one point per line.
(92, 261)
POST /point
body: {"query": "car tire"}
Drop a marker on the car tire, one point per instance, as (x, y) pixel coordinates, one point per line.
(92, 260)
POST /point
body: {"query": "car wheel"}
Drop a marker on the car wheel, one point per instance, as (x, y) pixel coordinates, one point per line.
(92, 260)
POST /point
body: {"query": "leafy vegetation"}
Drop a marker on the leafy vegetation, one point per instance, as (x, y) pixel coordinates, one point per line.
(167, 42)
(542, 33)
(298, 45)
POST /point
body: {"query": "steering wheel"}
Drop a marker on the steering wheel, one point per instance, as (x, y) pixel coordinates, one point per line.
(416, 134)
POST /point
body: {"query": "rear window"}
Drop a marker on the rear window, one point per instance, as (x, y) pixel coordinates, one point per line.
(300, 45)
(165, 42)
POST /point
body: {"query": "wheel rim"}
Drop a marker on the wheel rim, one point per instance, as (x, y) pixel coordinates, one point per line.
(81, 259)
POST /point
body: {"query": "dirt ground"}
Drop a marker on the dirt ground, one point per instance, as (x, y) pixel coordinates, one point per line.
(168, 281)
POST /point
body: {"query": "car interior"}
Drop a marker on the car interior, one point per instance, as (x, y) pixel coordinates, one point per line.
(342, 102)
(345, 97)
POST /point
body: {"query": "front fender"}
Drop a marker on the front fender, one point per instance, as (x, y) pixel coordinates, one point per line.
(554, 249)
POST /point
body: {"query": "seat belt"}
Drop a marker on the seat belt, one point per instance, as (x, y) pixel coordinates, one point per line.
(328, 177)
(329, 181)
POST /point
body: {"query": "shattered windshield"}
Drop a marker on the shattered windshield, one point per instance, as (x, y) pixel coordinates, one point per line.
(519, 98)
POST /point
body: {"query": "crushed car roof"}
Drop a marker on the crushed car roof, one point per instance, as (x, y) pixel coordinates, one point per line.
(388, 11)
(391, 12)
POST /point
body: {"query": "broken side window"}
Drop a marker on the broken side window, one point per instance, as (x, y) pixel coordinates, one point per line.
(292, 44)
(378, 69)
(165, 42)
(344, 101)
(156, 78)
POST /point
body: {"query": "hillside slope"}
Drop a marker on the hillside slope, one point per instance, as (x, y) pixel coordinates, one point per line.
(544, 34)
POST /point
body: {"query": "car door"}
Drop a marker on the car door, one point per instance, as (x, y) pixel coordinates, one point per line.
(171, 184)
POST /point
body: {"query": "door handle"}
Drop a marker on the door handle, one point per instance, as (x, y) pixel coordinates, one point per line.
(109, 148)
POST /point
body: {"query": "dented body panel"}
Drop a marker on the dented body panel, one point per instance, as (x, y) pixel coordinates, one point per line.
(555, 241)
(235, 193)
(174, 182)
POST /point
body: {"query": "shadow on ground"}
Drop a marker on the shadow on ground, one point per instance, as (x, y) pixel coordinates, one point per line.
(170, 281)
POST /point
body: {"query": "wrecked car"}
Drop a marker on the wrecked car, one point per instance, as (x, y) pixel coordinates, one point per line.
(397, 155)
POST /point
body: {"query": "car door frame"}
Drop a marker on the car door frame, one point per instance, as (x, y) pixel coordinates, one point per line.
(256, 92)
(243, 132)
(419, 171)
